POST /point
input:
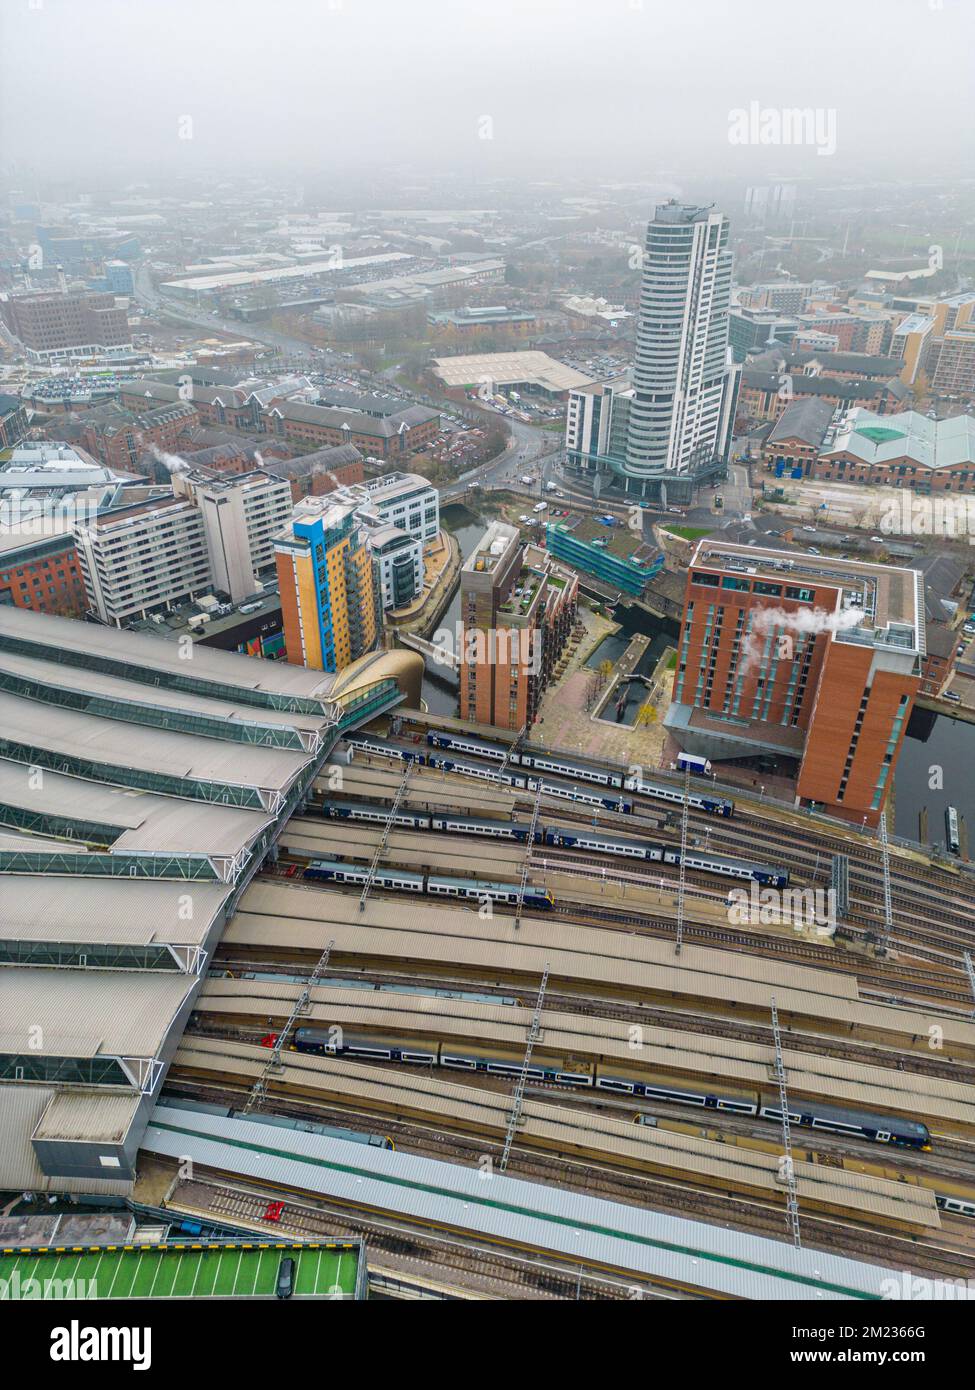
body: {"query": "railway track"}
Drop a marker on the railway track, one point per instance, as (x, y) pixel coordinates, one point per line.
(925, 1064)
(847, 1237)
(476, 1269)
(934, 945)
(915, 984)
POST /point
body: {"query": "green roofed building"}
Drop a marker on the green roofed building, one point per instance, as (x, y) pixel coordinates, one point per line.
(619, 557)
(184, 1269)
(906, 450)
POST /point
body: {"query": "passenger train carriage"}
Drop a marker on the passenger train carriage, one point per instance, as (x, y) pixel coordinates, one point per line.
(595, 1075)
(580, 769)
(518, 763)
(438, 885)
(598, 842)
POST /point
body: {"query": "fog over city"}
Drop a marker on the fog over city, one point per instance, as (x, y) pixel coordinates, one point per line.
(620, 87)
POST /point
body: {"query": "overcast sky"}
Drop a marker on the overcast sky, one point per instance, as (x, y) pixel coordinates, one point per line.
(528, 86)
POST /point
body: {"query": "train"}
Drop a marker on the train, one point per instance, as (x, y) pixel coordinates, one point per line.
(958, 1205)
(808, 1114)
(880, 1129)
(513, 761)
(579, 768)
(563, 837)
(514, 777)
(436, 885)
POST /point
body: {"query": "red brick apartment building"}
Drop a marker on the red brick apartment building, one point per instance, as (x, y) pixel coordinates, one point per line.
(800, 657)
(517, 608)
(66, 325)
(312, 475)
(389, 437)
(119, 437)
(765, 395)
(40, 570)
(215, 405)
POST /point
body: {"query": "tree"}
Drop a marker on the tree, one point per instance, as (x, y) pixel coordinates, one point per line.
(646, 714)
(920, 389)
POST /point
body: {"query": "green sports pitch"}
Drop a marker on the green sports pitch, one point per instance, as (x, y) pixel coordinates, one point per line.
(228, 1270)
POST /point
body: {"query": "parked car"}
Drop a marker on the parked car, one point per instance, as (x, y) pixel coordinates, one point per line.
(286, 1277)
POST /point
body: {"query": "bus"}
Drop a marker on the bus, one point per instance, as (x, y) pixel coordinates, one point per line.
(951, 829)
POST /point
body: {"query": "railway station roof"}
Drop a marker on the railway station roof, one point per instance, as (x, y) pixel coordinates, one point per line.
(736, 1063)
(162, 756)
(194, 712)
(126, 820)
(441, 935)
(86, 1015)
(119, 911)
(665, 1249)
(87, 645)
(139, 792)
(23, 1109)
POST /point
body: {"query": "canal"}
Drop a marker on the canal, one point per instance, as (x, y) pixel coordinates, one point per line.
(440, 684)
(934, 772)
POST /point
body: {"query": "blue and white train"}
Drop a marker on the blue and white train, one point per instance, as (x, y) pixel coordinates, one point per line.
(577, 767)
(565, 837)
(437, 885)
(603, 1075)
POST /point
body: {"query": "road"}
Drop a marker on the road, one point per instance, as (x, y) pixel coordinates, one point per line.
(147, 294)
(531, 449)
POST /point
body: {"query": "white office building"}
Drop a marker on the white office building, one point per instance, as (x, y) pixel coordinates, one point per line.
(402, 499)
(241, 515)
(139, 560)
(214, 535)
(398, 561)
